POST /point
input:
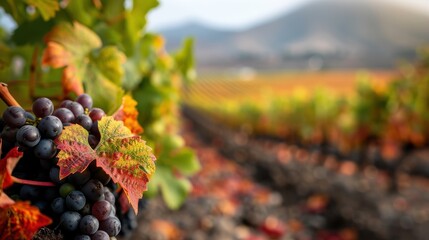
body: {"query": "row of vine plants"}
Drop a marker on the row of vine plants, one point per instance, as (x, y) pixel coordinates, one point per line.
(391, 114)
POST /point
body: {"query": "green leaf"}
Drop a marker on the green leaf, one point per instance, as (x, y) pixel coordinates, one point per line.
(123, 156)
(30, 32)
(47, 8)
(134, 22)
(185, 61)
(174, 190)
(185, 161)
(16, 9)
(86, 63)
(82, 11)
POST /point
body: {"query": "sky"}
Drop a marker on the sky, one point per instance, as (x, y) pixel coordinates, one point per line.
(234, 14)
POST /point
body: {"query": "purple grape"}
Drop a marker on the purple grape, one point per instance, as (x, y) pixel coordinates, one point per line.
(96, 114)
(93, 190)
(45, 149)
(101, 209)
(58, 205)
(89, 224)
(65, 103)
(82, 237)
(100, 235)
(94, 130)
(76, 109)
(75, 200)
(86, 210)
(70, 221)
(110, 197)
(9, 134)
(28, 136)
(50, 127)
(85, 121)
(93, 141)
(54, 175)
(64, 114)
(85, 100)
(14, 117)
(112, 226)
(42, 107)
(29, 116)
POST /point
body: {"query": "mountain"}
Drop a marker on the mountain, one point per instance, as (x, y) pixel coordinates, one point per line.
(321, 34)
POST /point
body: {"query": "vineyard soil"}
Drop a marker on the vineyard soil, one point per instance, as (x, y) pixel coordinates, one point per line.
(230, 201)
(259, 189)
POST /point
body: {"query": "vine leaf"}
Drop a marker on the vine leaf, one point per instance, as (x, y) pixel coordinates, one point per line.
(47, 8)
(86, 63)
(21, 220)
(129, 115)
(121, 154)
(7, 164)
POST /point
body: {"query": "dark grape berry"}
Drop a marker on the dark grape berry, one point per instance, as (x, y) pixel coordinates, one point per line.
(94, 130)
(76, 109)
(112, 226)
(70, 221)
(96, 114)
(75, 200)
(100, 235)
(110, 197)
(50, 127)
(66, 103)
(93, 141)
(54, 175)
(9, 134)
(45, 149)
(93, 190)
(101, 209)
(82, 237)
(14, 117)
(28, 136)
(85, 100)
(30, 116)
(43, 107)
(58, 205)
(86, 210)
(64, 114)
(88, 224)
(85, 121)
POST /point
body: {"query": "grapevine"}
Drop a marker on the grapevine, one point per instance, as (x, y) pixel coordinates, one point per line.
(80, 200)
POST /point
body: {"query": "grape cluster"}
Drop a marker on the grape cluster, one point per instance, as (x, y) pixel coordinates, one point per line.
(81, 205)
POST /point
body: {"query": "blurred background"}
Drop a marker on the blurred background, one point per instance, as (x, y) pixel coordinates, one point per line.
(309, 118)
(322, 103)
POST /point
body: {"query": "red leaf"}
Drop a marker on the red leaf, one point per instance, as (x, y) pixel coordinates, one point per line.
(21, 221)
(121, 154)
(7, 164)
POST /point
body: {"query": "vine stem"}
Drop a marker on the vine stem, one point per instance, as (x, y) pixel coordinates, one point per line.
(6, 96)
(33, 183)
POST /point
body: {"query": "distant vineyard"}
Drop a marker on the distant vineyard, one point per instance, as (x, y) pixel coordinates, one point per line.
(211, 89)
(348, 110)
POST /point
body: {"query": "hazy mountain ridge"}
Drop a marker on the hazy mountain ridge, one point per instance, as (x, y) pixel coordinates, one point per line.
(322, 34)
